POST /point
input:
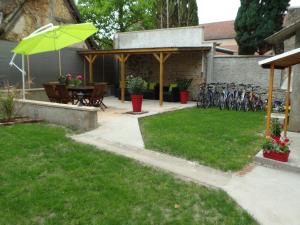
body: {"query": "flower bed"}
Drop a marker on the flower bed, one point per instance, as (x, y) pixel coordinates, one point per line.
(277, 146)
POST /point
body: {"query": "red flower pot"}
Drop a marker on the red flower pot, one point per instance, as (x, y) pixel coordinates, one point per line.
(279, 156)
(136, 101)
(184, 97)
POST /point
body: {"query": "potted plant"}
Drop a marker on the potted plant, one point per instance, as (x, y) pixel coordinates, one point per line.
(62, 79)
(69, 80)
(78, 80)
(276, 129)
(136, 86)
(183, 85)
(276, 147)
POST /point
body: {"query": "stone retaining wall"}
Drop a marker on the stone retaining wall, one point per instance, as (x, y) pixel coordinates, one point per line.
(81, 118)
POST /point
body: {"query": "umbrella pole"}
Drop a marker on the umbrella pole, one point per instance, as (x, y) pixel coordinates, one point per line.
(59, 62)
(28, 72)
(23, 77)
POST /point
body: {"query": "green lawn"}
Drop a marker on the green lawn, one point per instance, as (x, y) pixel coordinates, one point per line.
(226, 140)
(45, 178)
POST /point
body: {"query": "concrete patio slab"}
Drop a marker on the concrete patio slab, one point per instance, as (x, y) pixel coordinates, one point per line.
(151, 106)
(116, 125)
(292, 165)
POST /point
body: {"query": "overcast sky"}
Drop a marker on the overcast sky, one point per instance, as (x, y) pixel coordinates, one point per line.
(221, 10)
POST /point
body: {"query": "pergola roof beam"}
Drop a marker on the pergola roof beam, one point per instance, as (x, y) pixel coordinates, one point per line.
(283, 60)
(144, 50)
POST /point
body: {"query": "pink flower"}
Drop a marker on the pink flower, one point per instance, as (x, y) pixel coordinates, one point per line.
(69, 76)
(79, 77)
(286, 140)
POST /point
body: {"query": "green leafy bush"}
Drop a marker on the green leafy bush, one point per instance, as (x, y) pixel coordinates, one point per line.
(276, 128)
(268, 145)
(7, 104)
(136, 85)
(184, 84)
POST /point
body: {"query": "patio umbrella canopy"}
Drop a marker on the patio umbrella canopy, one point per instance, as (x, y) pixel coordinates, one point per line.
(54, 38)
(51, 38)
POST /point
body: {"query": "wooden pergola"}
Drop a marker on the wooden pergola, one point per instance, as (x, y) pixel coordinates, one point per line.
(282, 61)
(161, 54)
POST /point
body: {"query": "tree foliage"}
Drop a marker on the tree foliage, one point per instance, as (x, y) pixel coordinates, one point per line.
(111, 16)
(255, 21)
(181, 13)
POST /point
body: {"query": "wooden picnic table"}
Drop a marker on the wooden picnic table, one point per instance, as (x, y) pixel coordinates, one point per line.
(82, 93)
(83, 89)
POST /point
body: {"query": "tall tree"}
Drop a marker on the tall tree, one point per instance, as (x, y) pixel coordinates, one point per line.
(255, 21)
(176, 13)
(111, 16)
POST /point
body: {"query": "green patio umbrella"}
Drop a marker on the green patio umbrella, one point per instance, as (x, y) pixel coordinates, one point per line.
(51, 38)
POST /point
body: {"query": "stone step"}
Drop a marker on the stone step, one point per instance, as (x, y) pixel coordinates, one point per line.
(293, 165)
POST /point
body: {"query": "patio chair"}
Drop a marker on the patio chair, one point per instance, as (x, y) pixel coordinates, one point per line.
(51, 92)
(97, 96)
(63, 94)
(152, 91)
(171, 94)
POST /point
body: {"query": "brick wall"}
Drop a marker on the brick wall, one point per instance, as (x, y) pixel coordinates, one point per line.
(184, 65)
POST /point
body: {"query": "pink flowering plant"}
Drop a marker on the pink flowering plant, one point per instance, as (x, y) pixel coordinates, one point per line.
(78, 80)
(69, 80)
(276, 142)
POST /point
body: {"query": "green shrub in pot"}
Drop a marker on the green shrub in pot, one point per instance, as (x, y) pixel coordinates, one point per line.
(136, 85)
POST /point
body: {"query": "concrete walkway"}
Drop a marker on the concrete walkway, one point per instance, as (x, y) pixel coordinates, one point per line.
(179, 167)
(119, 133)
(116, 125)
(272, 197)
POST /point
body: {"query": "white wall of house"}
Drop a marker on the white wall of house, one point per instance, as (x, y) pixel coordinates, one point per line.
(161, 38)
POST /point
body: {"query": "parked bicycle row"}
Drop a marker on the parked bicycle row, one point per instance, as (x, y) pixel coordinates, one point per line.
(233, 96)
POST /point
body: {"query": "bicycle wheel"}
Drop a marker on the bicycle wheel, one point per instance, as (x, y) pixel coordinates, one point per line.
(246, 106)
(222, 103)
(229, 102)
(216, 99)
(251, 105)
(200, 100)
(206, 102)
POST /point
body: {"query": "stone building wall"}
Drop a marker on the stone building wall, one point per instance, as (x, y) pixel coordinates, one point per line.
(33, 15)
(289, 44)
(292, 16)
(185, 65)
(245, 70)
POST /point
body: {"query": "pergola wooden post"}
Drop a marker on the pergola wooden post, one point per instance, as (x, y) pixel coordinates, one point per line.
(287, 101)
(123, 59)
(90, 59)
(270, 99)
(281, 61)
(84, 71)
(161, 59)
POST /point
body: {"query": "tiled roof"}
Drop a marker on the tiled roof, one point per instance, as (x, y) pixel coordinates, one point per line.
(219, 30)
